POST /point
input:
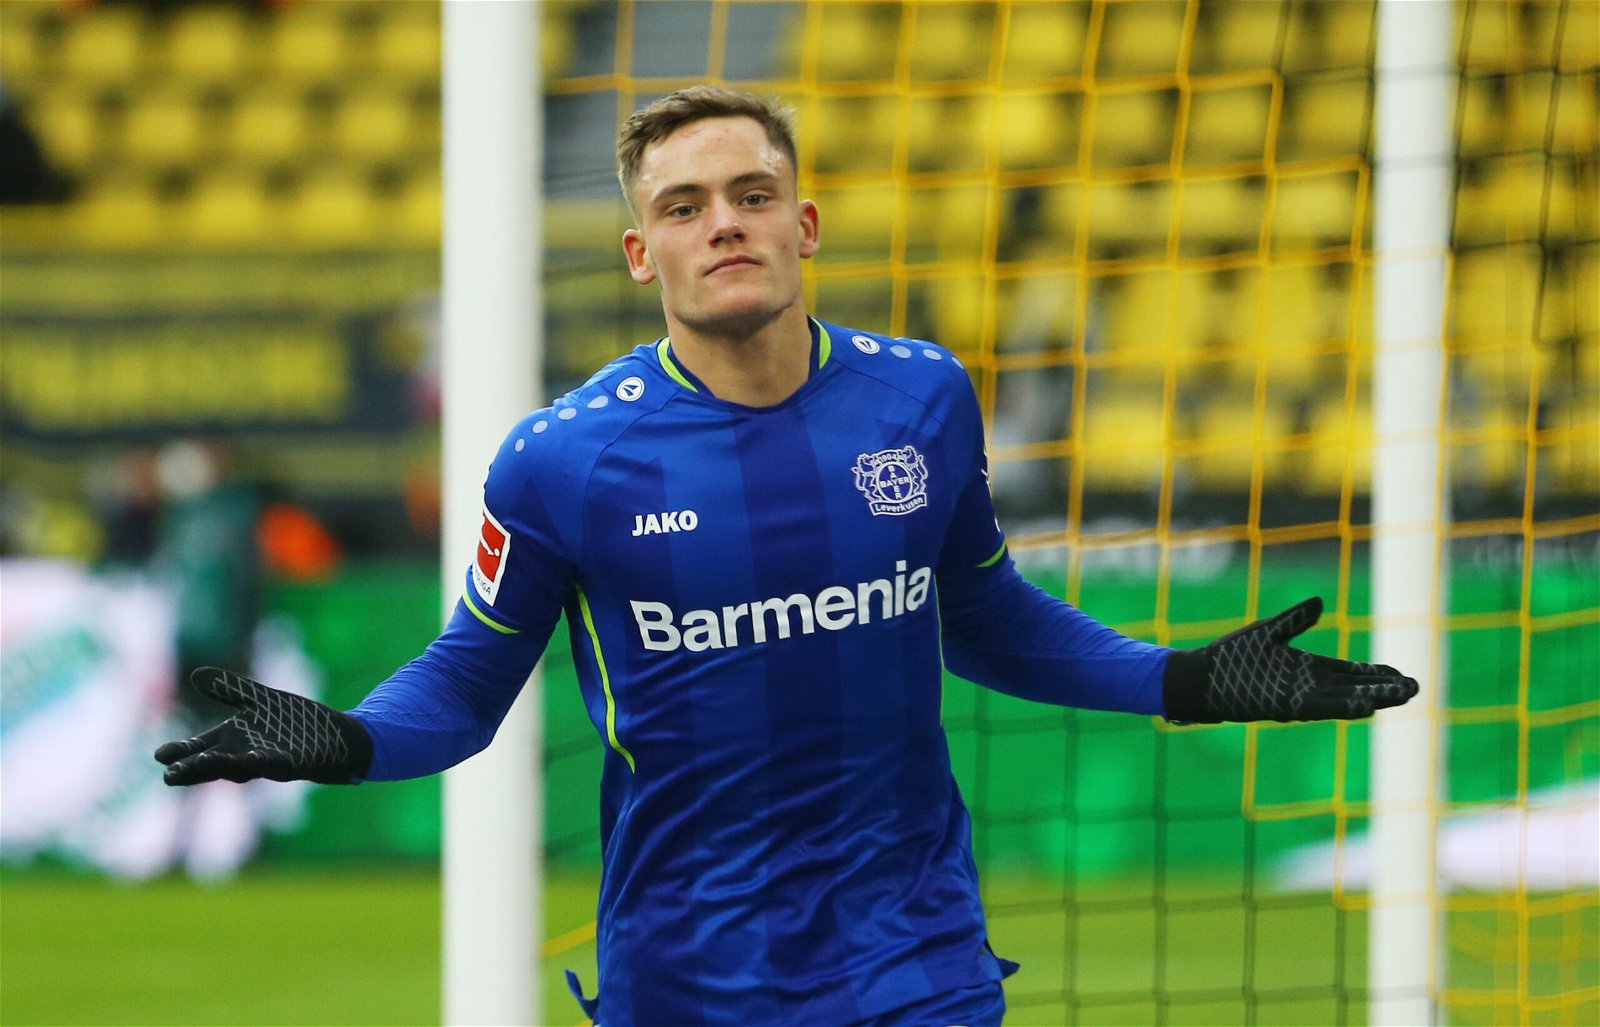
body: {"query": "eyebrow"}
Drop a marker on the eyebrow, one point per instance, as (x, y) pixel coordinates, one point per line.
(689, 188)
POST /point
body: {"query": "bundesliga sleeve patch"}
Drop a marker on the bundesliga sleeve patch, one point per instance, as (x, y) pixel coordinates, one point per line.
(489, 566)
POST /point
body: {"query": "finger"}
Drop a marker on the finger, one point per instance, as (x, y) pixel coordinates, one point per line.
(177, 750)
(1294, 620)
(1379, 692)
(1322, 706)
(226, 687)
(195, 770)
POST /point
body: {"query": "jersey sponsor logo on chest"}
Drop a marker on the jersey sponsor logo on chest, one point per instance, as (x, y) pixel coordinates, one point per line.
(664, 523)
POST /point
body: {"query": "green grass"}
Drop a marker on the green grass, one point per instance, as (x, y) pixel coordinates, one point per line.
(362, 947)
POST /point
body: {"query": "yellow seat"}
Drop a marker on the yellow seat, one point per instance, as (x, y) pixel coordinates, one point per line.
(333, 210)
(942, 39)
(163, 128)
(1347, 33)
(269, 126)
(1045, 40)
(1325, 118)
(1240, 36)
(1493, 298)
(1156, 314)
(230, 210)
(1140, 38)
(1230, 440)
(208, 44)
(856, 222)
(1579, 46)
(20, 54)
(1488, 445)
(1227, 125)
(419, 213)
(852, 133)
(307, 43)
(1129, 218)
(860, 40)
(1341, 443)
(405, 44)
(374, 125)
(1133, 128)
(1123, 445)
(103, 46)
(1036, 130)
(69, 128)
(1521, 198)
(948, 133)
(1222, 214)
(121, 213)
(1314, 211)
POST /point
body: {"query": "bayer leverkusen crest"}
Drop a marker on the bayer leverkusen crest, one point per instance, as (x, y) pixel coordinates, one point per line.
(895, 481)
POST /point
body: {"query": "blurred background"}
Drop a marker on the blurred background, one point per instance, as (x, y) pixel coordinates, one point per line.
(1145, 225)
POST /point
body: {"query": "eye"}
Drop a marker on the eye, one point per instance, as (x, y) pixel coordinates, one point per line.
(756, 199)
(682, 210)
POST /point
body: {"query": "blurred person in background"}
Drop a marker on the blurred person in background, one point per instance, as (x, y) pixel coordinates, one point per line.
(208, 555)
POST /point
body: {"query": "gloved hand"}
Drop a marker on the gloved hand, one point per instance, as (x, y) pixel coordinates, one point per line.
(276, 735)
(1253, 674)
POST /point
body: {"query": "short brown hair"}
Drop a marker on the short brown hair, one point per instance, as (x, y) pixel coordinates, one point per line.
(656, 121)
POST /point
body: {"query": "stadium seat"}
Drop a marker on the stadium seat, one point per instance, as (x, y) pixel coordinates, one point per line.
(1140, 38)
(1045, 40)
(333, 210)
(1348, 32)
(163, 128)
(1221, 215)
(269, 125)
(23, 59)
(861, 41)
(942, 38)
(1313, 211)
(1340, 439)
(419, 211)
(1230, 438)
(1579, 46)
(306, 43)
(209, 44)
(229, 209)
(851, 133)
(1488, 445)
(1122, 445)
(1129, 218)
(1036, 130)
(1520, 197)
(1132, 128)
(375, 124)
(1227, 125)
(1237, 35)
(68, 124)
(405, 44)
(1155, 312)
(1325, 118)
(1493, 296)
(948, 133)
(102, 46)
(122, 212)
(857, 222)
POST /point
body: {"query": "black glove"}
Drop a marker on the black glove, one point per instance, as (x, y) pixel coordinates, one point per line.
(1253, 674)
(276, 735)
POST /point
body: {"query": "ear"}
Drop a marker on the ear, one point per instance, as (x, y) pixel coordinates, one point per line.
(640, 267)
(810, 230)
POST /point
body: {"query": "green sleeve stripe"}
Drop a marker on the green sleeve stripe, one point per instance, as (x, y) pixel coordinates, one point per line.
(467, 598)
(998, 553)
(605, 682)
(824, 344)
(663, 351)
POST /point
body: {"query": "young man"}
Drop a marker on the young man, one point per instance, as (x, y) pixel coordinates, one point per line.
(769, 535)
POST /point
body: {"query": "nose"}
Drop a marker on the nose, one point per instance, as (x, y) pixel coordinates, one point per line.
(725, 226)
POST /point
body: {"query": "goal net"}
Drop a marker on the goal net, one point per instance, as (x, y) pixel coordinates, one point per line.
(1146, 229)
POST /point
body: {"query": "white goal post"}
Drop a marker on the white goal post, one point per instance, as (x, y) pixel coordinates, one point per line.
(1413, 181)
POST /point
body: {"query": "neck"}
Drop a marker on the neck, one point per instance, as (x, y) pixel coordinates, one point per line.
(757, 369)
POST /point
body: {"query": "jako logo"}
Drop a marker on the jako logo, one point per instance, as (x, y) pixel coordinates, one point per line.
(661, 524)
(833, 609)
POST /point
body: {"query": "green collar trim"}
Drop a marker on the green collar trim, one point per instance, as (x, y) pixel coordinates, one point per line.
(664, 353)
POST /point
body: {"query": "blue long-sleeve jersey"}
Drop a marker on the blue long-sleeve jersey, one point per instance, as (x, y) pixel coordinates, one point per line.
(759, 600)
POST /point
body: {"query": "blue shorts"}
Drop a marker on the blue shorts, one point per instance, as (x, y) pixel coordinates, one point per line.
(982, 1005)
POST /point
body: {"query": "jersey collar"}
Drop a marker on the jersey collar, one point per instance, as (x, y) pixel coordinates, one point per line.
(821, 350)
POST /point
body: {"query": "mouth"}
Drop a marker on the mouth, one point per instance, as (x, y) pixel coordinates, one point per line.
(731, 263)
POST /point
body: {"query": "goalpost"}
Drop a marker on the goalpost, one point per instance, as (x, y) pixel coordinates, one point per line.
(493, 803)
(1413, 184)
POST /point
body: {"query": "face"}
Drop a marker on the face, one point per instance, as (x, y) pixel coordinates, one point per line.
(720, 227)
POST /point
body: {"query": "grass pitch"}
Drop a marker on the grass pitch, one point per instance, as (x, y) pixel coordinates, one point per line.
(362, 947)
